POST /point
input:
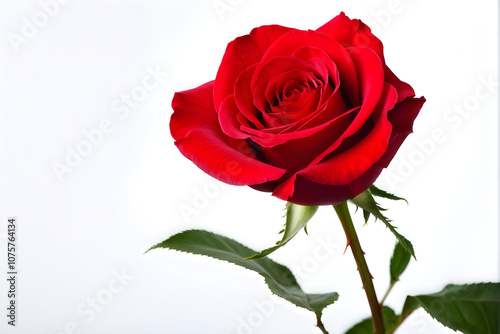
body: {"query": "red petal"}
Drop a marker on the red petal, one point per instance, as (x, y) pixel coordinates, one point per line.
(352, 33)
(371, 83)
(228, 119)
(194, 126)
(404, 90)
(244, 98)
(401, 117)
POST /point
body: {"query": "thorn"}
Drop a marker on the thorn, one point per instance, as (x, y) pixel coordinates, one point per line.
(348, 244)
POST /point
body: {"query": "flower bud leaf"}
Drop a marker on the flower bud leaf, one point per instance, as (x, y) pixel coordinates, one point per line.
(382, 193)
(297, 216)
(366, 215)
(279, 278)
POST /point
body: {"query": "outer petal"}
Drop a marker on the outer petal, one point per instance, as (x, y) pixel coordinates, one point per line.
(404, 90)
(352, 33)
(302, 191)
(194, 126)
(401, 117)
(241, 53)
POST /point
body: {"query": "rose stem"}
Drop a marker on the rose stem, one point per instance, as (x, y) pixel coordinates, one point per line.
(321, 326)
(359, 256)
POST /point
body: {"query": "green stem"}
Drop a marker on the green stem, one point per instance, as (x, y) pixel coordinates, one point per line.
(387, 292)
(359, 256)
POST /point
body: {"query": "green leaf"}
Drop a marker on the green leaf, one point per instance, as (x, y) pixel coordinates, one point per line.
(399, 261)
(366, 202)
(366, 326)
(471, 309)
(278, 277)
(382, 193)
(297, 217)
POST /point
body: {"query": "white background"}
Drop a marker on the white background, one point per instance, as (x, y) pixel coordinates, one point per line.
(77, 234)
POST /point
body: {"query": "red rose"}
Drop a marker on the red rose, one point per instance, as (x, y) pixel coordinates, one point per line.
(313, 116)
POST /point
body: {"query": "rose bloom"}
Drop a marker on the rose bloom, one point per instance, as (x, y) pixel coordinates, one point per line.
(311, 116)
